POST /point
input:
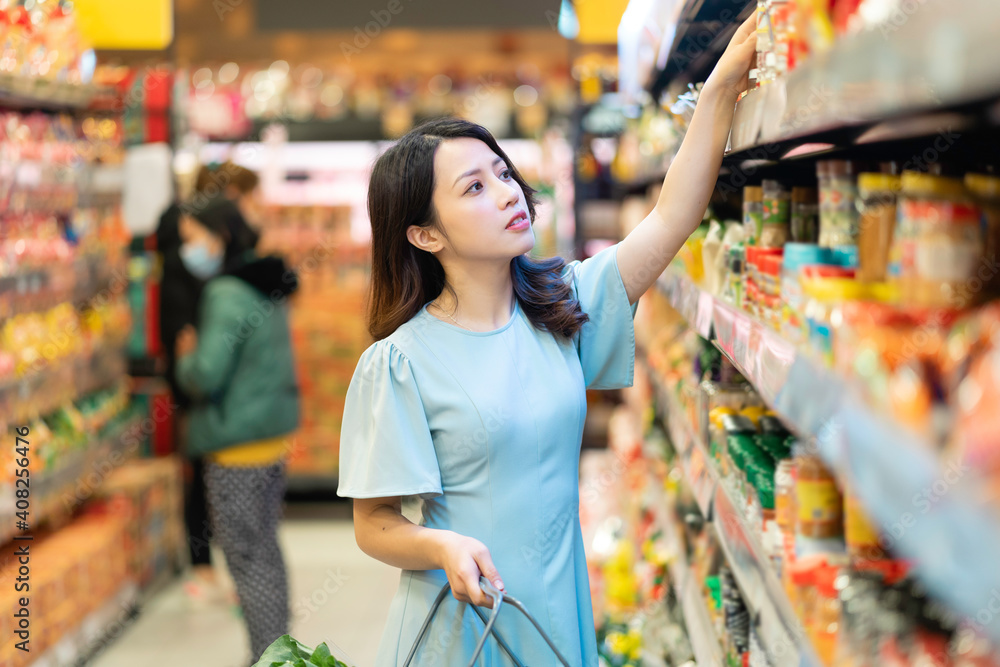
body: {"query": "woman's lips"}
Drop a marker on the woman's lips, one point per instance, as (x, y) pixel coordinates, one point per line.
(519, 222)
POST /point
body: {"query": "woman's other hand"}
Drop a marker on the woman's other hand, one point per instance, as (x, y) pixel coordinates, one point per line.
(465, 559)
(187, 342)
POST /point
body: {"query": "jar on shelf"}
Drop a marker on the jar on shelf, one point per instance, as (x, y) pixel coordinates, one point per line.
(876, 223)
(777, 215)
(838, 217)
(826, 289)
(753, 213)
(804, 227)
(819, 507)
(938, 246)
(986, 190)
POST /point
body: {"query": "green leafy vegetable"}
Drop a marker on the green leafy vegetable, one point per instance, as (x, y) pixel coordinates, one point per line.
(288, 652)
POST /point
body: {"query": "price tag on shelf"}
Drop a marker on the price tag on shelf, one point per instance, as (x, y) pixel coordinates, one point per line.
(703, 318)
(723, 322)
(741, 342)
(701, 479)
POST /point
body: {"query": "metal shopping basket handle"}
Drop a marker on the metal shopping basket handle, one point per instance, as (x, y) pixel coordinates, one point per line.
(498, 598)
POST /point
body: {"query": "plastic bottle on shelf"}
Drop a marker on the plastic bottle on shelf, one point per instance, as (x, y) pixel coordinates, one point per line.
(782, 19)
(765, 45)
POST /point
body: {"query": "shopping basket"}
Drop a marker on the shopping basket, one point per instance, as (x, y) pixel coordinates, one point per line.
(498, 597)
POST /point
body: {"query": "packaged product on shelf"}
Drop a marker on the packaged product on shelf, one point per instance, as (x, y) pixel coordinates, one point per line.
(838, 217)
(876, 223)
(710, 250)
(777, 215)
(753, 214)
(986, 190)
(822, 620)
(938, 246)
(765, 46)
(784, 496)
(736, 619)
(754, 301)
(819, 513)
(827, 290)
(733, 292)
(769, 301)
(977, 350)
(782, 18)
(862, 539)
(796, 256)
(804, 226)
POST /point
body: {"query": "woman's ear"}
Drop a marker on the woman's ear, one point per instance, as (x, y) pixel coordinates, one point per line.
(425, 238)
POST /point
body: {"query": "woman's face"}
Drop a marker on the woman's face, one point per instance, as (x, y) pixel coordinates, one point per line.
(194, 233)
(480, 208)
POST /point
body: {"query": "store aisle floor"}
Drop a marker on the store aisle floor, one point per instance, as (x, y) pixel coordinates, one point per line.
(338, 595)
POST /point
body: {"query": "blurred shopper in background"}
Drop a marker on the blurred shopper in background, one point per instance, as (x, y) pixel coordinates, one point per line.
(239, 370)
(180, 290)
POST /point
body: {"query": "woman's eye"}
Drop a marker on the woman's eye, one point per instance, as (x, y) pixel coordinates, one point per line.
(505, 174)
(474, 187)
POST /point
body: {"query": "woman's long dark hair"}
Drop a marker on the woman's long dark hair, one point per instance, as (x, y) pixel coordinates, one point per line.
(404, 277)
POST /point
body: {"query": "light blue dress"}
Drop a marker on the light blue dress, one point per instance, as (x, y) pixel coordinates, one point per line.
(485, 429)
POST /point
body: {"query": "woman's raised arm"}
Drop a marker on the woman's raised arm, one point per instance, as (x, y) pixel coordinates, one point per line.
(687, 188)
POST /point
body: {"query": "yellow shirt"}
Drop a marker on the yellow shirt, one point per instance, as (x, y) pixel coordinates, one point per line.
(254, 454)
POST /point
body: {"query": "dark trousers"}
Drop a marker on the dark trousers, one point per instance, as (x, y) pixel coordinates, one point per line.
(196, 521)
(245, 504)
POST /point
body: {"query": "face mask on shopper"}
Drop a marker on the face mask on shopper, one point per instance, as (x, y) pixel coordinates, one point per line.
(200, 261)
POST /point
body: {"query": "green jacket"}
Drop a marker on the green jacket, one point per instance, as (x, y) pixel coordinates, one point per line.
(242, 373)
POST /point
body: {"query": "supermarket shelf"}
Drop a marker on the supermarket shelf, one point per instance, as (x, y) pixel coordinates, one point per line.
(909, 491)
(895, 73)
(704, 641)
(700, 475)
(777, 624)
(95, 630)
(55, 492)
(57, 384)
(31, 93)
(779, 629)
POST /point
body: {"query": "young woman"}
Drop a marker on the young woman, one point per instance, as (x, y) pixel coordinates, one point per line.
(473, 397)
(239, 370)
